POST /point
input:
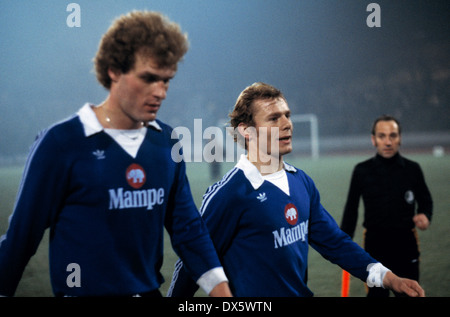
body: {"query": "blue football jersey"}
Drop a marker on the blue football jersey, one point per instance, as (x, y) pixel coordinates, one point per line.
(106, 212)
(262, 234)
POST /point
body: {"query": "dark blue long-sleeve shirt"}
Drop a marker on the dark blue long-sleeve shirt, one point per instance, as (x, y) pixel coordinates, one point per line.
(262, 235)
(106, 212)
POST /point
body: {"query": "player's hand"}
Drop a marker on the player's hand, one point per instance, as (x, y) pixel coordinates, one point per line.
(421, 221)
(221, 290)
(403, 285)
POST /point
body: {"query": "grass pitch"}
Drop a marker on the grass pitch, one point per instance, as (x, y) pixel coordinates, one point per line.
(332, 177)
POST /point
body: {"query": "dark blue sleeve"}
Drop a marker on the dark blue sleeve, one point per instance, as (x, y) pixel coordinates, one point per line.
(221, 225)
(189, 236)
(182, 284)
(331, 242)
(38, 200)
(222, 214)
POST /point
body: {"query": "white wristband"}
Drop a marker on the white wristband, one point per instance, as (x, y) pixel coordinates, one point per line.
(211, 279)
(377, 271)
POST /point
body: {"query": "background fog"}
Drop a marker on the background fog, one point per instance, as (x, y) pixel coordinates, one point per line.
(320, 53)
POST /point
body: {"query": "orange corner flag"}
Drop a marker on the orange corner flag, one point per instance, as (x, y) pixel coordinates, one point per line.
(345, 284)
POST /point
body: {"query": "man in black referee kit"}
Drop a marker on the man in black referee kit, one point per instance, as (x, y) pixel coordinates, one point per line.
(391, 186)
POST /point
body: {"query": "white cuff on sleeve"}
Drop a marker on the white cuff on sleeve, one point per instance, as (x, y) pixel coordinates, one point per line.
(377, 271)
(211, 279)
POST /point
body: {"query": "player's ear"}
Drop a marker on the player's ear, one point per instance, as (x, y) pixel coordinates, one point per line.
(374, 141)
(114, 74)
(247, 132)
(242, 129)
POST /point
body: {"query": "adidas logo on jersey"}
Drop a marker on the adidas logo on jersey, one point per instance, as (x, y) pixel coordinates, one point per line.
(99, 154)
(261, 197)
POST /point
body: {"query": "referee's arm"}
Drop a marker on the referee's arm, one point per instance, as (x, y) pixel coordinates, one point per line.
(350, 215)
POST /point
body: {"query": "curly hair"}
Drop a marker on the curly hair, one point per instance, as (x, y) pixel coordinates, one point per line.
(243, 110)
(139, 32)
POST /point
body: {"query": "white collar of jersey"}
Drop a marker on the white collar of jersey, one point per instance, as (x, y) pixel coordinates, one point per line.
(91, 124)
(252, 173)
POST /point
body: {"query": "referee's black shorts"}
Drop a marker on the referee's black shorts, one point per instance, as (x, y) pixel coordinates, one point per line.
(396, 249)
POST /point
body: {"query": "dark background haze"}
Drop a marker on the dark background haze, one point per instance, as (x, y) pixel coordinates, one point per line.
(320, 53)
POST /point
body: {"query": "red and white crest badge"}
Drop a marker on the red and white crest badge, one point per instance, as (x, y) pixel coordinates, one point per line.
(135, 176)
(291, 214)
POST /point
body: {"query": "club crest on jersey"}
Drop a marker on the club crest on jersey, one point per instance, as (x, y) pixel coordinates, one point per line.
(296, 232)
(291, 214)
(135, 175)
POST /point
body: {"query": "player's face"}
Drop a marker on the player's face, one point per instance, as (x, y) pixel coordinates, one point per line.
(387, 138)
(273, 124)
(140, 92)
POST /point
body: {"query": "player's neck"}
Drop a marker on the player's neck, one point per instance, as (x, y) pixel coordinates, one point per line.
(111, 117)
(266, 164)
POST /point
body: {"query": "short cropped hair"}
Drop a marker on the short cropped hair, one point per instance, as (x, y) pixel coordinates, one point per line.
(243, 109)
(386, 117)
(139, 32)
